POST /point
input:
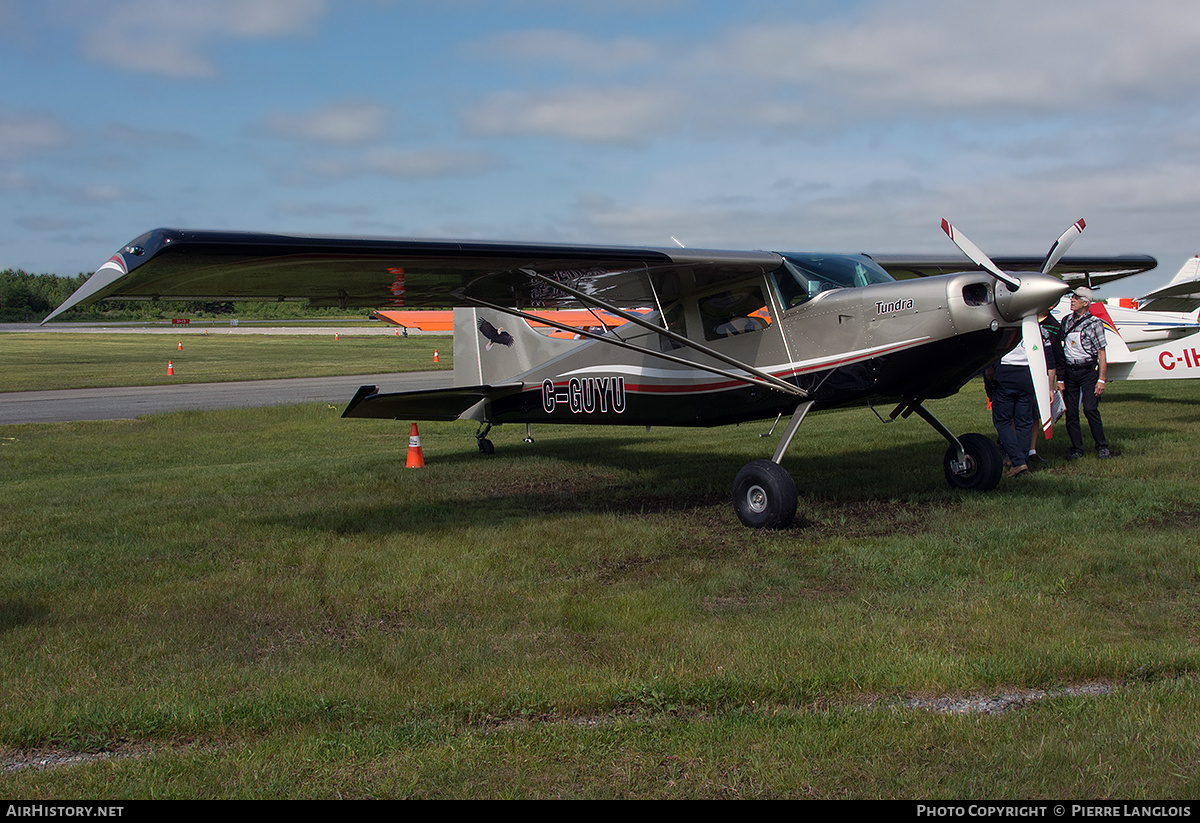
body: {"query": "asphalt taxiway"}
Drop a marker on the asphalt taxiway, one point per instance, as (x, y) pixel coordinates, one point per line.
(127, 402)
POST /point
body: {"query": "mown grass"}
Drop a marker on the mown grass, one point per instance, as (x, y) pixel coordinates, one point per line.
(267, 603)
(57, 360)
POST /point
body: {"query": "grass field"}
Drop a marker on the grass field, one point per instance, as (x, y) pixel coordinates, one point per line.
(267, 603)
(55, 360)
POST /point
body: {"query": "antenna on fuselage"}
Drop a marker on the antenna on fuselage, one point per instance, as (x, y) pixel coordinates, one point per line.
(677, 243)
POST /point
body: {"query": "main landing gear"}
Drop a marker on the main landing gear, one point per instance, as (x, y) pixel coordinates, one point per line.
(764, 494)
(485, 445)
(976, 467)
(971, 462)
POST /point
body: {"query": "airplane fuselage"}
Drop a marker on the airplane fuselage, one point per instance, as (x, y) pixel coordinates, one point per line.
(842, 346)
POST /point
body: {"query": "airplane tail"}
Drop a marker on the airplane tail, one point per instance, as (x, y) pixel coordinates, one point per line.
(492, 347)
(1100, 310)
(1189, 272)
(1182, 294)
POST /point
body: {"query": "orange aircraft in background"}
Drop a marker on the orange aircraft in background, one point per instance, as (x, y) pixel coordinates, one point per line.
(443, 320)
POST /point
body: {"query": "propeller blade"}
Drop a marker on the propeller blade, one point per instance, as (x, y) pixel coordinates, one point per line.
(980, 259)
(1061, 245)
(1031, 334)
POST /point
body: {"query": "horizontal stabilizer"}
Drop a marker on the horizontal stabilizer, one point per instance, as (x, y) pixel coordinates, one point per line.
(1182, 294)
(431, 404)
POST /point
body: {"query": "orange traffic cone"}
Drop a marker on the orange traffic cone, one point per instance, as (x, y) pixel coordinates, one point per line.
(416, 459)
(181, 345)
(435, 357)
(170, 367)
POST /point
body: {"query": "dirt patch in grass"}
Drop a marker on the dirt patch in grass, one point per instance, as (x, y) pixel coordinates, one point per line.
(859, 519)
(1175, 519)
(1003, 701)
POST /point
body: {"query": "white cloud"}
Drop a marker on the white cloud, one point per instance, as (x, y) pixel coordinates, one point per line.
(942, 55)
(566, 48)
(941, 59)
(171, 37)
(24, 133)
(348, 122)
(438, 161)
(610, 115)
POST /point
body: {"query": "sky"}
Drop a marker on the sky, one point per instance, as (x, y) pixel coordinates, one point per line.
(826, 125)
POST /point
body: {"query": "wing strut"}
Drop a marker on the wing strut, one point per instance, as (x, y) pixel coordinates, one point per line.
(763, 378)
(611, 341)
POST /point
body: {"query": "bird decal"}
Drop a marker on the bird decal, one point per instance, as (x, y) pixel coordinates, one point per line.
(494, 335)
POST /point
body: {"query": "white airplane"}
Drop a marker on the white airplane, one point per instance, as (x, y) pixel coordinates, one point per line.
(1175, 359)
(1155, 337)
(1169, 313)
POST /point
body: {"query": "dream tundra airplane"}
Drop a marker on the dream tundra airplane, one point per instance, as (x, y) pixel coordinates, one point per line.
(730, 336)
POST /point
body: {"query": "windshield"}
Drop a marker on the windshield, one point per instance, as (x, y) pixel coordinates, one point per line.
(804, 276)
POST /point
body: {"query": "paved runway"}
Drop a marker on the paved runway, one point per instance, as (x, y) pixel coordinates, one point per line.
(128, 402)
(325, 329)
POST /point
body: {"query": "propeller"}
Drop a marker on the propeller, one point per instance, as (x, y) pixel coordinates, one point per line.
(978, 257)
(1061, 245)
(1031, 336)
(1035, 302)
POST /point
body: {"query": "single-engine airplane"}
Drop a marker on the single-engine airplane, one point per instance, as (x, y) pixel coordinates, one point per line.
(732, 336)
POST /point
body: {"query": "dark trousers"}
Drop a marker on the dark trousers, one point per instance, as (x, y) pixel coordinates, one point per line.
(1080, 389)
(1013, 402)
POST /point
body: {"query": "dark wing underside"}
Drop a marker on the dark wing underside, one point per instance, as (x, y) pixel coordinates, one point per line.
(376, 273)
(397, 273)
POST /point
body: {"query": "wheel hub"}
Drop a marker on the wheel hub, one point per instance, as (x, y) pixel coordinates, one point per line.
(756, 499)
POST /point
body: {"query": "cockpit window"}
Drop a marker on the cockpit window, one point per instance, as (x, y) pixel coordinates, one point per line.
(804, 276)
(729, 314)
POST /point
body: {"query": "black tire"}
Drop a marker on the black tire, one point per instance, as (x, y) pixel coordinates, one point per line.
(983, 466)
(486, 447)
(764, 496)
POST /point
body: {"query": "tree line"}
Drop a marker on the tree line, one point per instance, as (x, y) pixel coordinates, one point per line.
(27, 298)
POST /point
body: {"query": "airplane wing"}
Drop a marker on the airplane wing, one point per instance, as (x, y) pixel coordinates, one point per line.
(432, 404)
(394, 273)
(1075, 271)
(173, 264)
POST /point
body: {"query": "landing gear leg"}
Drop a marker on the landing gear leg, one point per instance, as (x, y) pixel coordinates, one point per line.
(975, 465)
(971, 462)
(764, 494)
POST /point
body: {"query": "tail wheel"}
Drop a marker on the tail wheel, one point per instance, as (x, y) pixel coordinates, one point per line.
(764, 496)
(981, 468)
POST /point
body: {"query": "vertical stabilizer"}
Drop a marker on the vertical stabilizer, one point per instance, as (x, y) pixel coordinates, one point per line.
(1182, 294)
(1189, 272)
